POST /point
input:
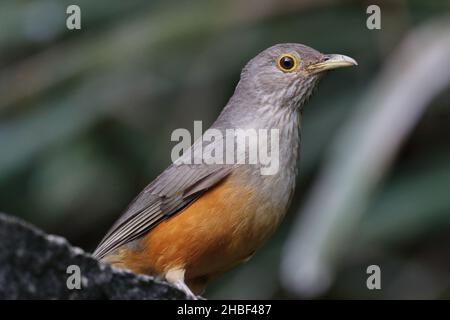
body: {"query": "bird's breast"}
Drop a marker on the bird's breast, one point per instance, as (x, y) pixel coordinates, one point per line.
(224, 226)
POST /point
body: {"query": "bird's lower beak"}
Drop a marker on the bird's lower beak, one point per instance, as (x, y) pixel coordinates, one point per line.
(332, 61)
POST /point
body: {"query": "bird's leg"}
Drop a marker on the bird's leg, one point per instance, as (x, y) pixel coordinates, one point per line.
(176, 277)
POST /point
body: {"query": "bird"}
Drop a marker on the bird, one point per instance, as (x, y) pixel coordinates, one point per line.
(196, 221)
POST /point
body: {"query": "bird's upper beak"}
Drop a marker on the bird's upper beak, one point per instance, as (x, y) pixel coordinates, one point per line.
(332, 61)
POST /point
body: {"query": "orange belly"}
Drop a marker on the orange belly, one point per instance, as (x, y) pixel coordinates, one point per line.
(220, 229)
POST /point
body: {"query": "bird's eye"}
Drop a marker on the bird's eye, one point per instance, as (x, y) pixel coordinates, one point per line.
(287, 63)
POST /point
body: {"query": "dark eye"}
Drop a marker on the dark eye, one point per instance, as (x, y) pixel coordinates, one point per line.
(287, 63)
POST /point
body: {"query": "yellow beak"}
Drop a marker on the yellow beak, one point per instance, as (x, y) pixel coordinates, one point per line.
(332, 61)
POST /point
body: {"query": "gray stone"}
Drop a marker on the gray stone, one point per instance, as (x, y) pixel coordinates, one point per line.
(33, 265)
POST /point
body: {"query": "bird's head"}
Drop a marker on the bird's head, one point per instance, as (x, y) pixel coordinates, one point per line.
(285, 75)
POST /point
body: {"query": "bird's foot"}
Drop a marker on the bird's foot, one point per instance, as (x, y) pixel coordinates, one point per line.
(183, 287)
(176, 277)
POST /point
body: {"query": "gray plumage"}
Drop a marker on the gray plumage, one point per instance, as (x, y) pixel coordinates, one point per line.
(265, 98)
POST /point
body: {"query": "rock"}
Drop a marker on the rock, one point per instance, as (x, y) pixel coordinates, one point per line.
(34, 265)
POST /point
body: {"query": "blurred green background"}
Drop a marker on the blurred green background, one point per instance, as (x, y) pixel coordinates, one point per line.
(86, 118)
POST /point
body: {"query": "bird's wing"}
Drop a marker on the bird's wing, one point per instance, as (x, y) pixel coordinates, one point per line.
(169, 193)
